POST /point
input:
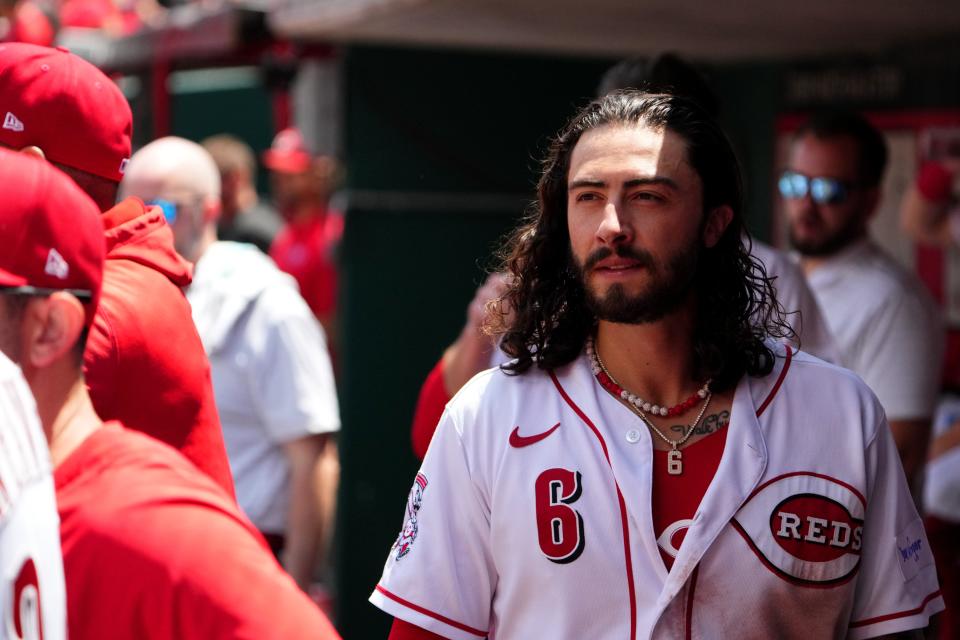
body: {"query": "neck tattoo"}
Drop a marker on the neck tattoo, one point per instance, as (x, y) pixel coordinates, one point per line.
(641, 407)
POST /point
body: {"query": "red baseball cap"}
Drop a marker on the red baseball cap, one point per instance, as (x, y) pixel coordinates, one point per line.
(288, 153)
(55, 100)
(51, 236)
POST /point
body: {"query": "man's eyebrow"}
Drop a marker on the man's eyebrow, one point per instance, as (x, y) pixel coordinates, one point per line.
(580, 184)
(635, 182)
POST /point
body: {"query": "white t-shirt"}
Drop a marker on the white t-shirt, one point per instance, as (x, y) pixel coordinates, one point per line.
(793, 293)
(953, 221)
(32, 596)
(886, 326)
(272, 377)
(531, 518)
(941, 486)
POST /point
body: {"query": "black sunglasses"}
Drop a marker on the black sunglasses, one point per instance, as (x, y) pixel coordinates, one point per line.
(26, 290)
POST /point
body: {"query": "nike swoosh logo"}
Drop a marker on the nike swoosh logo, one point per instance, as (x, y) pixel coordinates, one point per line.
(518, 441)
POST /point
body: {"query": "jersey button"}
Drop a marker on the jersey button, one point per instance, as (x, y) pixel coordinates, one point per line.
(633, 436)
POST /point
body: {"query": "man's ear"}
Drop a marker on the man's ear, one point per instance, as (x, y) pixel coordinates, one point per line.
(36, 152)
(52, 327)
(871, 197)
(211, 209)
(718, 219)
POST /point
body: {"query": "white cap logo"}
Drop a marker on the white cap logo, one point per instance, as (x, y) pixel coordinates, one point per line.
(56, 265)
(12, 123)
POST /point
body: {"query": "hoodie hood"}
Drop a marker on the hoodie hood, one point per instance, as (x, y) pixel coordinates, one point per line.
(229, 278)
(140, 234)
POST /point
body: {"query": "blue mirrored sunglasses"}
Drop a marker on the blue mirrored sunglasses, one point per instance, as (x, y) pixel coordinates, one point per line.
(822, 190)
(169, 209)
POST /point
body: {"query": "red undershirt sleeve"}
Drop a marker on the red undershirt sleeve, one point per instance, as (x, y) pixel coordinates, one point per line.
(430, 404)
(402, 630)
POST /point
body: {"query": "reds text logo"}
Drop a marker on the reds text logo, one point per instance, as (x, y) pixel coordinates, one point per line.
(806, 528)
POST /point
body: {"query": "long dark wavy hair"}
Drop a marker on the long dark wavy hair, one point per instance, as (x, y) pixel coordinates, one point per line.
(736, 305)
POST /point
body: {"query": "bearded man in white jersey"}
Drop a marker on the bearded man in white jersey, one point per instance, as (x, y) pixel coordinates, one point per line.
(557, 501)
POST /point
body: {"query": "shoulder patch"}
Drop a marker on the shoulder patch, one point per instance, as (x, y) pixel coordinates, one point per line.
(408, 534)
(913, 550)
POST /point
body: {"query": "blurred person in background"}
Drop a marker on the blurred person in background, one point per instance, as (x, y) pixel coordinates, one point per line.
(306, 246)
(28, 21)
(243, 217)
(886, 326)
(472, 352)
(144, 363)
(271, 371)
(116, 18)
(929, 213)
(152, 548)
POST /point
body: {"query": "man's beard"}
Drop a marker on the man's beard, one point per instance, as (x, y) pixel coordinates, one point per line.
(669, 287)
(829, 244)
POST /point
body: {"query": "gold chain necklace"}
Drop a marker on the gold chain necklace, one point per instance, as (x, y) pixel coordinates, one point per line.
(675, 456)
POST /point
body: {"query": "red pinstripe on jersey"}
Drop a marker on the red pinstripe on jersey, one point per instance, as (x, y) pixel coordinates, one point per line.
(850, 487)
(776, 386)
(899, 614)
(623, 507)
(435, 616)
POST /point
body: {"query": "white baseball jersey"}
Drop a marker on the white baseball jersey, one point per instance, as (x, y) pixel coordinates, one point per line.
(32, 598)
(531, 518)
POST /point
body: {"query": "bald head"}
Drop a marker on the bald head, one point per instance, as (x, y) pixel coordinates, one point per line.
(184, 175)
(172, 164)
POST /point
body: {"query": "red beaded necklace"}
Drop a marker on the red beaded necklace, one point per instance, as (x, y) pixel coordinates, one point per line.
(640, 407)
(608, 383)
(667, 412)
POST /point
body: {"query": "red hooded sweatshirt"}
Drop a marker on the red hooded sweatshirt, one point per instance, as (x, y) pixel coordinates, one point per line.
(144, 363)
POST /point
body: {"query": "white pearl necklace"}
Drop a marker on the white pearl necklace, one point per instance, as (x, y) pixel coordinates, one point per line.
(643, 405)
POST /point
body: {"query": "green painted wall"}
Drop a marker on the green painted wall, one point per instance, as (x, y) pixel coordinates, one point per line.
(201, 107)
(749, 96)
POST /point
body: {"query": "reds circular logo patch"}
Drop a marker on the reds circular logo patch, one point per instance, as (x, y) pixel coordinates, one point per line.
(806, 528)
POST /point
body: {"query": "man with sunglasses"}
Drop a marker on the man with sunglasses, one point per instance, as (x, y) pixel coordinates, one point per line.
(144, 362)
(885, 324)
(152, 548)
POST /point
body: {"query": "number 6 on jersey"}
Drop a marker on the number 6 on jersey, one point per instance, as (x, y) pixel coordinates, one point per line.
(559, 526)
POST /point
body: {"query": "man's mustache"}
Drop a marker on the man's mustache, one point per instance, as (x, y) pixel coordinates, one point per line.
(622, 251)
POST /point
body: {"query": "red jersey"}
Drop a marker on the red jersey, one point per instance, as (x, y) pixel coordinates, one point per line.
(430, 403)
(676, 498)
(144, 362)
(153, 549)
(305, 250)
